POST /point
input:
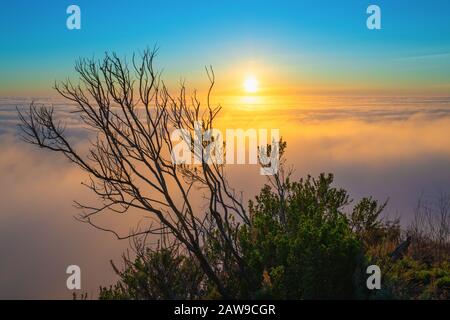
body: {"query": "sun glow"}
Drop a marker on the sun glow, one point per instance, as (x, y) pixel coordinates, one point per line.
(251, 84)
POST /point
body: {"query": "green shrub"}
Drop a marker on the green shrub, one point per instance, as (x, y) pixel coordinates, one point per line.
(313, 255)
(303, 243)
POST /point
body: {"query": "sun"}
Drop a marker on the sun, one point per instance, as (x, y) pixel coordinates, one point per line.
(251, 84)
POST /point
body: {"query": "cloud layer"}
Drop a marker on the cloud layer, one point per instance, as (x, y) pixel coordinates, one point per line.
(388, 148)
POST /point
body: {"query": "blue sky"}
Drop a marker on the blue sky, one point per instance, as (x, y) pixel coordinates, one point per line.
(324, 41)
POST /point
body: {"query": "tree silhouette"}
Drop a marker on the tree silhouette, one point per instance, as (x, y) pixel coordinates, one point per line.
(132, 114)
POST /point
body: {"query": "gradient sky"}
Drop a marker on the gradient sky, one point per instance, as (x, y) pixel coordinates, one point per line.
(293, 46)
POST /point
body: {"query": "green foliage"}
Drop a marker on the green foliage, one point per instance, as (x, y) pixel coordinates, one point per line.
(302, 243)
(412, 279)
(161, 274)
(314, 254)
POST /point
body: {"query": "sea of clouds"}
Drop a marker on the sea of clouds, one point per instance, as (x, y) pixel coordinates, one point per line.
(394, 148)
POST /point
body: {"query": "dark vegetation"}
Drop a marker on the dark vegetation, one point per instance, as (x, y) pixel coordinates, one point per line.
(320, 252)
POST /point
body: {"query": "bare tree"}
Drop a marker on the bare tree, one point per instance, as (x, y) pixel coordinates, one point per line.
(430, 227)
(132, 114)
